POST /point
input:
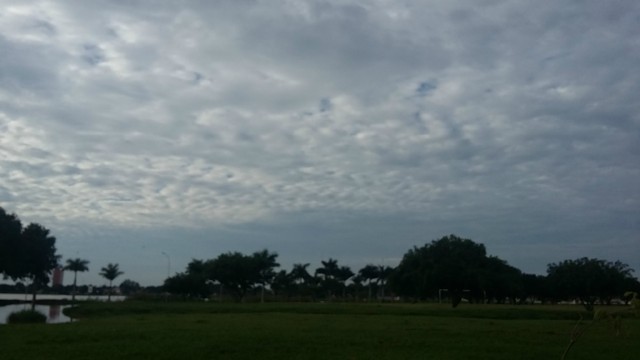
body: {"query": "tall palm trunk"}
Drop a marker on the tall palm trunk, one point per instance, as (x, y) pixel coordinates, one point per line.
(75, 277)
(110, 290)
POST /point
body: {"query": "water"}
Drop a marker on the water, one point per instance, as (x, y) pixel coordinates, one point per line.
(27, 297)
(53, 312)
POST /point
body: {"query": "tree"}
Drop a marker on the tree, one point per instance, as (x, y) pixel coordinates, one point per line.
(265, 263)
(329, 268)
(76, 265)
(384, 272)
(534, 287)
(236, 272)
(499, 281)
(588, 280)
(302, 279)
(370, 273)
(38, 257)
(10, 236)
(299, 273)
(110, 272)
(28, 252)
(329, 272)
(343, 274)
(129, 287)
(283, 283)
(450, 263)
(192, 283)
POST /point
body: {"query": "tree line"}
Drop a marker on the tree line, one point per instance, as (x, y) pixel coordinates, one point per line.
(29, 253)
(451, 267)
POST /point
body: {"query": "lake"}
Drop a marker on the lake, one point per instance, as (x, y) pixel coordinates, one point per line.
(53, 312)
(27, 297)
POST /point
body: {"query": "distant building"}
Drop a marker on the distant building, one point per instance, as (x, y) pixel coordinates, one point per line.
(58, 275)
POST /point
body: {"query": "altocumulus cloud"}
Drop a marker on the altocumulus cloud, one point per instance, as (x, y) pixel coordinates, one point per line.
(323, 128)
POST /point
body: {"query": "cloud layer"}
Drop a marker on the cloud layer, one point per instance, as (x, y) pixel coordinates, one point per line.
(512, 123)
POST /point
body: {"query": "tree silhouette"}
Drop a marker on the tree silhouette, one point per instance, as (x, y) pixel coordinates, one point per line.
(370, 273)
(589, 280)
(302, 280)
(384, 272)
(265, 263)
(110, 272)
(38, 257)
(10, 241)
(76, 265)
(128, 287)
(343, 274)
(28, 252)
(283, 283)
(450, 263)
(299, 273)
(329, 272)
(329, 269)
(236, 272)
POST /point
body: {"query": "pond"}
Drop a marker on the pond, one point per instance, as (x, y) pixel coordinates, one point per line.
(53, 312)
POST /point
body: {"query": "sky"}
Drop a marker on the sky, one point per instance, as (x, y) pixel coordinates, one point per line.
(150, 133)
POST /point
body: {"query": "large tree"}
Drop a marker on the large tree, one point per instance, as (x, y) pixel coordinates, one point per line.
(589, 280)
(236, 272)
(110, 272)
(10, 240)
(500, 281)
(76, 265)
(26, 253)
(450, 263)
(38, 258)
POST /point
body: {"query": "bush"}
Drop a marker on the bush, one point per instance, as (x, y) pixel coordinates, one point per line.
(27, 317)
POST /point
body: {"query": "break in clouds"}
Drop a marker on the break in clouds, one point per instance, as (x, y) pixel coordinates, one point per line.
(325, 128)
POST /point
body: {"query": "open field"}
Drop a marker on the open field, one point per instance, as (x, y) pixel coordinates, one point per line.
(318, 331)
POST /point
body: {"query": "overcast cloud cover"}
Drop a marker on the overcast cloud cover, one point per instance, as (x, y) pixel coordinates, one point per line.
(317, 129)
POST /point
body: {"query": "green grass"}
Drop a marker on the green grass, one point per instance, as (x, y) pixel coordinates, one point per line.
(317, 331)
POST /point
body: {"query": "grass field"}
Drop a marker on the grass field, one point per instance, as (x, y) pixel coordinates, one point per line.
(317, 331)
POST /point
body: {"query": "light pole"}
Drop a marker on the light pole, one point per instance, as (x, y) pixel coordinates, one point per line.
(168, 264)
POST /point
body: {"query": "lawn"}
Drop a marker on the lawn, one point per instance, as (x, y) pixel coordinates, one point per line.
(317, 331)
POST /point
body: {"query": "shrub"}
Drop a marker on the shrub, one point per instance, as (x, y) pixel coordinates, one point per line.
(27, 317)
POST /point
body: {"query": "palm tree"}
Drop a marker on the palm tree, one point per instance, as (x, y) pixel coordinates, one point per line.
(370, 273)
(343, 274)
(383, 274)
(76, 265)
(329, 272)
(301, 279)
(329, 269)
(300, 274)
(110, 272)
(265, 263)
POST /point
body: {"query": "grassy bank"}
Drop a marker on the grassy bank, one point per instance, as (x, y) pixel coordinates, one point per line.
(317, 331)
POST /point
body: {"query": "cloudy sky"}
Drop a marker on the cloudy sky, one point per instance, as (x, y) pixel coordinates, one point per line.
(148, 133)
